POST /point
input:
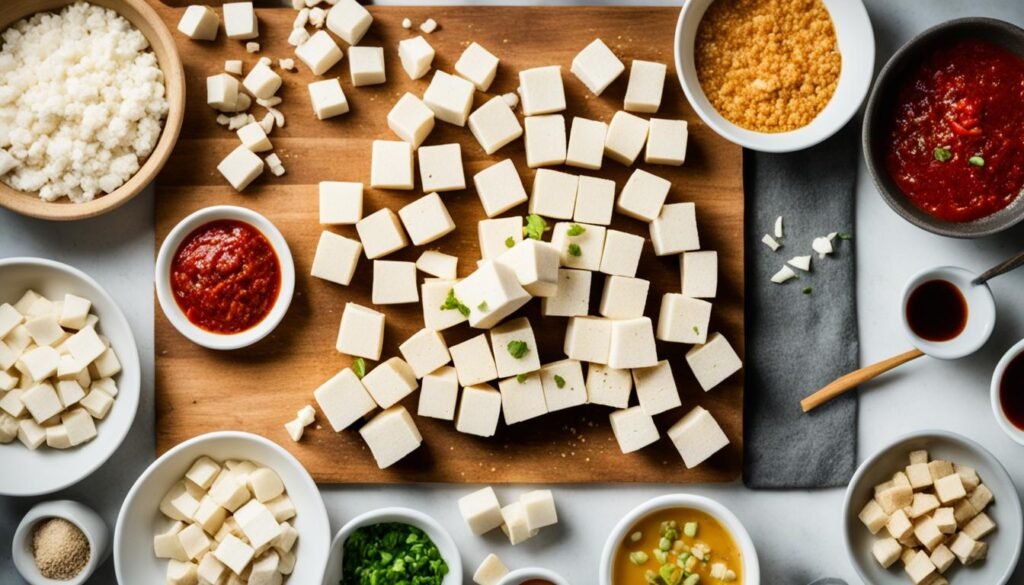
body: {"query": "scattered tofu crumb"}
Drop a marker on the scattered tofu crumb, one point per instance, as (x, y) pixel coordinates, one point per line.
(269, 102)
(297, 37)
(406, 23)
(277, 171)
(301, 19)
(771, 242)
(233, 66)
(511, 98)
(429, 26)
(317, 17)
(286, 64)
(298, 4)
(823, 246)
(267, 123)
(278, 117)
(252, 47)
(237, 121)
(223, 120)
(778, 227)
(265, 61)
(786, 273)
(273, 160)
(801, 262)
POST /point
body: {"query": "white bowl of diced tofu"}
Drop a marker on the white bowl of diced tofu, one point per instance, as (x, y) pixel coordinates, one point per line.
(203, 503)
(65, 421)
(962, 519)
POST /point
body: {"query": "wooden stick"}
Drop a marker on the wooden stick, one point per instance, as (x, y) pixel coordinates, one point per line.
(856, 378)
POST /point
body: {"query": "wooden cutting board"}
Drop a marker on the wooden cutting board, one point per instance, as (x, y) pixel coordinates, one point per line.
(259, 388)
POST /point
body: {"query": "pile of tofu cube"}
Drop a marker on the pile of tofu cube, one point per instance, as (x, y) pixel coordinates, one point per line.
(230, 526)
(934, 514)
(56, 372)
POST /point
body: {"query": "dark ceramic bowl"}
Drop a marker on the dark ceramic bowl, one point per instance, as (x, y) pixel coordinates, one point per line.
(879, 108)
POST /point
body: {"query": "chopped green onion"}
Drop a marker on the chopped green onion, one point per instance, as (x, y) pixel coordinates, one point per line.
(535, 226)
(509, 242)
(693, 579)
(575, 230)
(977, 160)
(521, 378)
(359, 367)
(696, 330)
(636, 536)
(665, 544)
(574, 250)
(482, 306)
(690, 529)
(453, 303)
(660, 555)
(517, 348)
(942, 153)
(559, 381)
(638, 558)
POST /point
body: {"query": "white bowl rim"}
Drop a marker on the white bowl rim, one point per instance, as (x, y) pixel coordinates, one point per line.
(1008, 427)
(997, 466)
(303, 477)
(518, 576)
(129, 359)
(437, 533)
(805, 136)
(73, 512)
(981, 313)
(170, 307)
(751, 564)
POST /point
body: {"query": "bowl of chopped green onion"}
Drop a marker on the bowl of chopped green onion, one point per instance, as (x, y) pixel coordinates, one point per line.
(392, 546)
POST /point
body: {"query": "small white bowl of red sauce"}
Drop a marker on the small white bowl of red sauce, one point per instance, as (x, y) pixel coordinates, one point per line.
(945, 314)
(225, 277)
(1008, 392)
(533, 576)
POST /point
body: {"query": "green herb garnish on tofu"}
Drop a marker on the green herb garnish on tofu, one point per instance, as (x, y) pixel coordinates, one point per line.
(638, 557)
(510, 242)
(535, 226)
(359, 367)
(559, 381)
(696, 330)
(690, 529)
(521, 378)
(517, 348)
(575, 229)
(391, 553)
(942, 153)
(453, 303)
(574, 250)
(482, 307)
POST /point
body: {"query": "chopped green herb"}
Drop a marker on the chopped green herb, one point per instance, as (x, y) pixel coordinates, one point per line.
(636, 536)
(574, 250)
(977, 160)
(696, 330)
(509, 242)
(517, 348)
(665, 544)
(391, 553)
(576, 229)
(559, 381)
(482, 306)
(521, 378)
(942, 153)
(693, 579)
(453, 303)
(535, 226)
(638, 557)
(690, 529)
(808, 290)
(359, 367)
(844, 236)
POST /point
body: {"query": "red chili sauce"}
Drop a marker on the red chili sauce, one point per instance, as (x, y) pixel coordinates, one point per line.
(1011, 391)
(956, 138)
(225, 276)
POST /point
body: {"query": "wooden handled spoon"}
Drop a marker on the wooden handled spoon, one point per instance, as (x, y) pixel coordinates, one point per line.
(856, 378)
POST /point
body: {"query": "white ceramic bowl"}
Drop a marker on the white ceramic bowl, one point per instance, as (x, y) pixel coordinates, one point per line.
(523, 575)
(437, 533)
(1004, 543)
(47, 470)
(981, 313)
(140, 517)
(1008, 427)
(162, 279)
(88, 521)
(856, 41)
(751, 567)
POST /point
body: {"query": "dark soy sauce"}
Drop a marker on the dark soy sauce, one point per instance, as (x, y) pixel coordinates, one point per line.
(937, 311)
(1011, 391)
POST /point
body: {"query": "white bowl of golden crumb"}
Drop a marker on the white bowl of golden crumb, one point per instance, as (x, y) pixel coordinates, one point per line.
(856, 43)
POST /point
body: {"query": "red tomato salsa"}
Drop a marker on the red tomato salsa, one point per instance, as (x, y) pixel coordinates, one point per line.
(225, 276)
(956, 139)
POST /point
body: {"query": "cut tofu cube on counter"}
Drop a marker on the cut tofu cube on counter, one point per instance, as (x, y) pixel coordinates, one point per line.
(515, 525)
(441, 168)
(391, 435)
(361, 332)
(391, 165)
(535, 264)
(595, 201)
(394, 283)
(632, 344)
(515, 348)
(586, 143)
(646, 85)
(553, 194)
(623, 297)
(626, 137)
(341, 203)
(541, 90)
(349, 20)
(713, 362)
(481, 511)
(241, 167)
(381, 234)
(666, 142)
(416, 56)
(494, 125)
(262, 82)
(597, 66)
(500, 188)
(545, 140)
(491, 293)
(327, 98)
(439, 394)
(683, 319)
(450, 97)
(435, 316)
(438, 265)
(621, 254)
(319, 52)
(580, 246)
(390, 382)
(240, 22)
(522, 398)
(199, 23)
(426, 219)
(699, 274)
(425, 351)
(478, 66)
(564, 386)
(608, 386)
(572, 297)
(697, 436)
(479, 410)
(491, 571)
(587, 339)
(336, 258)
(643, 196)
(474, 361)
(633, 428)
(366, 65)
(411, 120)
(656, 388)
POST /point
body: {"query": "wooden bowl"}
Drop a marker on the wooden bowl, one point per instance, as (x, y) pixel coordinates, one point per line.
(146, 20)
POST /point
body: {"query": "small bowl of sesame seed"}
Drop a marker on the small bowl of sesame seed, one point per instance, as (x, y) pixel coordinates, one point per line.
(775, 75)
(60, 542)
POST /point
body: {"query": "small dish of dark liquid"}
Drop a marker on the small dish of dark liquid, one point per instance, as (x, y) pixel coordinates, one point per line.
(537, 582)
(1011, 391)
(937, 311)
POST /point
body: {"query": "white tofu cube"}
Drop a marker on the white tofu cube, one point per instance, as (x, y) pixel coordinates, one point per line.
(319, 52)
(522, 398)
(30, 433)
(166, 544)
(621, 255)
(623, 297)
(474, 361)
(241, 167)
(181, 573)
(42, 402)
(979, 527)
(491, 570)
(666, 142)
(633, 428)
(45, 330)
(545, 140)
(595, 201)
(11, 318)
(713, 361)
(441, 168)
(435, 316)
(8, 428)
(656, 388)
(450, 97)
(98, 403)
(478, 66)
(643, 196)
(425, 352)
(564, 386)
(11, 403)
(439, 394)
(539, 506)
(416, 55)
(366, 65)
(361, 332)
(254, 138)
(945, 519)
(697, 436)
(391, 435)
(536, 266)
(491, 293)
(390, 382)
(514, 526)
(580, 246)
(336, 258)
(699, 273)
(391, 165)
(194, 541)
(646, 82)
(674, 230)
(608, 386)
(74, 312)
(541, 90)
(554, 194)
(572, 297)
(920, 568)
(327, 98)
(411, 120)
(349, 20)
(494, 125)
(282, 508)
(203, 471)
(381, 233)
(587, 339)
(262, 82)
(426, 219)
(597, 66)
(632, 344)
(9, 382)
(341, 203)
(626, 137)
(479, 410)
(948, 489)
(515, 348)
(222, 92)
(886, 551)
(42, 362)
(79, 425)
(344, 400)
(683, 319)
(234, 553)
(586, 143)
(240, 22)
(500, 188)
(8, 358)
(199, 23)
(107, 365)
(57, 437)
(942, 558)
(438, 265)
(481, 511)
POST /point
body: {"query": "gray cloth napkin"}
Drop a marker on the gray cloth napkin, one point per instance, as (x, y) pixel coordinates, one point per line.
(797, 342)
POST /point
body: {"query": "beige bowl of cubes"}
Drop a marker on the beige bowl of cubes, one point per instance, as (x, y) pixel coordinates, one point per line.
(890, 469)
(31, 472)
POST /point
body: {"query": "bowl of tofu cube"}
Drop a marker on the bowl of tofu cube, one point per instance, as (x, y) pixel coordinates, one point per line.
(69, 376)
(933, 508)
(225, 507)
